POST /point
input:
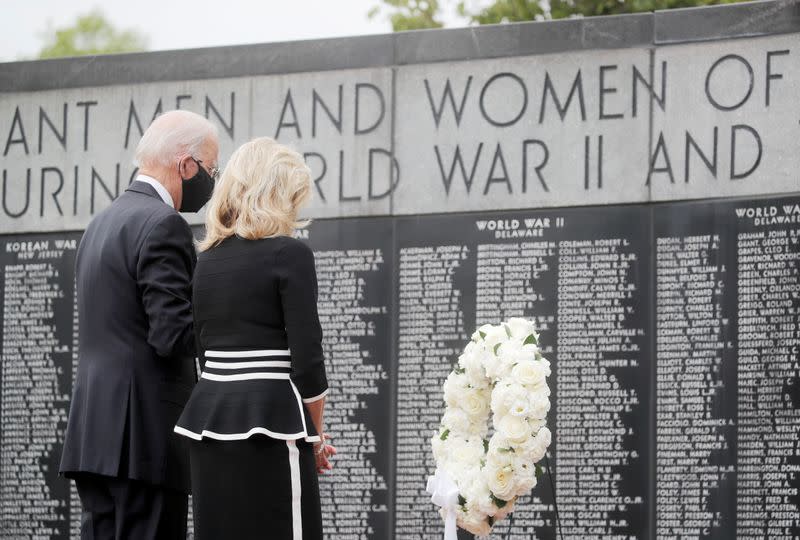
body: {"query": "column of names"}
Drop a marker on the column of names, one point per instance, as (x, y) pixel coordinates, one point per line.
(37, 365)
(768, 382)
(431, 335)
(355, 494)
(517, 280)
(600, 338)
(694, 432)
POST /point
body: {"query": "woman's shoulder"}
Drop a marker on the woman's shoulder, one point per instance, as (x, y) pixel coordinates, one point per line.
(284, 248)
(292, 251)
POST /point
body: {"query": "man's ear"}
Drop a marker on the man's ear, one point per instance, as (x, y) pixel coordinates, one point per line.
(187, 167)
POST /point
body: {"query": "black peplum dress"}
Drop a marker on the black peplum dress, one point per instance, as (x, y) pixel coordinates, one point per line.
(260, 350)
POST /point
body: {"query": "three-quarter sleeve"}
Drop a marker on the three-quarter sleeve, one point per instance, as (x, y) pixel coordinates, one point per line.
(298, 292)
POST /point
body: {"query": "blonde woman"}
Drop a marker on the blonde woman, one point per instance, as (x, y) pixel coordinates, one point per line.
(255, 416)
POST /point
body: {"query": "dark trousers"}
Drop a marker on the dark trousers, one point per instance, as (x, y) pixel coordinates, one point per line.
(122, 509)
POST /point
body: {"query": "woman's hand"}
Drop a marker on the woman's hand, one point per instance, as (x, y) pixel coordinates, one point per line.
(323, 452)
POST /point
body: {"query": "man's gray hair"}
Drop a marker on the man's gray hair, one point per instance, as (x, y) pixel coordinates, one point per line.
(171, 136)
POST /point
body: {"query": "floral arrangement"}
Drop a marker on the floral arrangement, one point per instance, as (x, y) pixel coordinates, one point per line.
(478, 479)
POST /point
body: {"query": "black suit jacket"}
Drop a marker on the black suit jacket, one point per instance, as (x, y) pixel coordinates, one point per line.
(136, 343)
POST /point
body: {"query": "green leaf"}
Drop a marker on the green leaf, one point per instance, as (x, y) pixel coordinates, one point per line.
(459, 370)
(485, 445)
(495, 348)
(483, 463)
(508, 330)
(444, 434)
(506, 450)
(531, 340)
(482, 334)
(500, 503)
(461, 500)
(539, 470)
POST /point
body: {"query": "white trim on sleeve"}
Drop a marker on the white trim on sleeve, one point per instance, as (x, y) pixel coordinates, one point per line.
(316, 398)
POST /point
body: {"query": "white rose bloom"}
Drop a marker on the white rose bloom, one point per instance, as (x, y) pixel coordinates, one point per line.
(497, 442)
(453, 387)
(495, 369)
(474, 402)
(482, 499)
(525, 479)
(536, 424)
(508, 396)
(469, 479)
(500, 458)
(500, 480)
(492, 367)
(494, 335)
(467, 453)
(510, 353)
(541, 442)
(521, 328)
(479, 429)
(514, 428)
(457, 421)
(518, 352)
(539, 406)
(472, 364)
(471, 348)
(531, 374)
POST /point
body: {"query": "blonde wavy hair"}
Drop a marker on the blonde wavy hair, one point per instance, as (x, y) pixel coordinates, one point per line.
(259, 194)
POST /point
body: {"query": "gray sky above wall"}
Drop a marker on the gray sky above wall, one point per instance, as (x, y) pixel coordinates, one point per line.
(180, 24)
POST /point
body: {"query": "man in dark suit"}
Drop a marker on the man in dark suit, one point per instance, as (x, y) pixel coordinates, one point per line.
(136, 342)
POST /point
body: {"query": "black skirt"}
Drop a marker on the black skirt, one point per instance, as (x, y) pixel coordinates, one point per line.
(256, 488)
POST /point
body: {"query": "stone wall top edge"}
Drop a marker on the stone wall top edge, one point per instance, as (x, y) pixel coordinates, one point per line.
(713, 23)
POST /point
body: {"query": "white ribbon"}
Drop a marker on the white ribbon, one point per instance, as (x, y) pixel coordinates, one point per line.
(444, 493)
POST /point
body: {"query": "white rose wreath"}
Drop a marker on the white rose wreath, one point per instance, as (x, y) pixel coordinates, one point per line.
(478, 479)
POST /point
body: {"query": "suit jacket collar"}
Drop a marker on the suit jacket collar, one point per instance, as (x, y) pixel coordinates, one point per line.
(145, 189)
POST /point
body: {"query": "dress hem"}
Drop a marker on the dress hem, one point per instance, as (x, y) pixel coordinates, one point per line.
(241, 436)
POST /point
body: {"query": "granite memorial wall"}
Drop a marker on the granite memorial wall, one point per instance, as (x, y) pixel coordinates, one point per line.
(631, 183)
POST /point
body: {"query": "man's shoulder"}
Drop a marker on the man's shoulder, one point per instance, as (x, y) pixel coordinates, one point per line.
(131, 211)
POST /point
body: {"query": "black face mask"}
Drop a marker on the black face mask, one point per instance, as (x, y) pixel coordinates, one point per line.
(197, 190)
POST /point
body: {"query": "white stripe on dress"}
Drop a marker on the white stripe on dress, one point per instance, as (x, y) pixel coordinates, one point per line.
(245, 377)
(241, 436)
(294, 468)
(247, 354)
(250, 364)
(299, 405)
